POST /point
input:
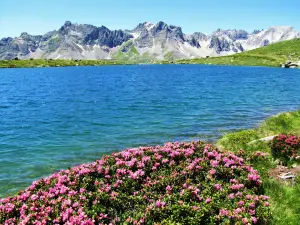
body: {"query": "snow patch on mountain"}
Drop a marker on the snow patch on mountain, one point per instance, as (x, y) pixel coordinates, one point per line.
(269, 36)
(160, 41)
(149, 26)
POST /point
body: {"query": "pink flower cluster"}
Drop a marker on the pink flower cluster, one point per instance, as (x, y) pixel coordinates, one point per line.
(286, 148)
(147, 185)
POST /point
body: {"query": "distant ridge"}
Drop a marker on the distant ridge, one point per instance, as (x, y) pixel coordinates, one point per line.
(147, 41)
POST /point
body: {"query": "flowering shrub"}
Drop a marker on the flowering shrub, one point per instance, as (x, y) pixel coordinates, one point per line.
(185, 183)
(252, 157)
(286, 148)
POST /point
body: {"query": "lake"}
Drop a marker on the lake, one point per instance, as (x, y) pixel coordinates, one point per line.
(55, 118)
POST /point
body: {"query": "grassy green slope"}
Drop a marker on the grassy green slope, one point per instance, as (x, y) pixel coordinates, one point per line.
(271, 55)
(285, 198)
(128, 53)
(284, 123)
(55, 63)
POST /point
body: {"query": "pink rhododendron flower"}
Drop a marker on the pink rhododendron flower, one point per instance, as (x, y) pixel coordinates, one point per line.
(160, 204)
(212, 172)
(208, 200)
(223, 212)
(133, 185)
(254, 220)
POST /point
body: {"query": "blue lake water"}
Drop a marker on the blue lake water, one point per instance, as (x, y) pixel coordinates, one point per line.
(55, 118)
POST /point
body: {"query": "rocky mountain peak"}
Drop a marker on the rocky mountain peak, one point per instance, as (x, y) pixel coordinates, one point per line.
(200, 36)
(158, 41)
(24, 34)
(256, 31)
(146, 26)
(160, 26)
(68, 24)
(271, 35)
(168, 30)
(65, 28)
(149, 26)
(232, 34)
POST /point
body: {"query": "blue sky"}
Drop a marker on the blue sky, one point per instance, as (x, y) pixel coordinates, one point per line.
(40, 16)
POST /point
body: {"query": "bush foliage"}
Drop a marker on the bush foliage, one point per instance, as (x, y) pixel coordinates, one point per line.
(178, 183)
(286, 148)
(235, 141)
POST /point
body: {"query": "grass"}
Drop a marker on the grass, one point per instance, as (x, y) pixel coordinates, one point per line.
(132, 55)
(285, 198)
(169, 56)
(285, 202)
(284, 123)
(131, 52)
(56, 63)
(271, 55)
(237, 140)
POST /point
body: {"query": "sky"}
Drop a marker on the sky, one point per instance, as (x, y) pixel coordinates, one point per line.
(41, 16)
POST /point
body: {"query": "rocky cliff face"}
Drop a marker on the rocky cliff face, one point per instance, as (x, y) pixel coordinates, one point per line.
(147, 40)
(227, 41)
(21, 46)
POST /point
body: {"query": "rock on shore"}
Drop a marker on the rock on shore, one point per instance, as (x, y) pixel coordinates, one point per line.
(290, 64)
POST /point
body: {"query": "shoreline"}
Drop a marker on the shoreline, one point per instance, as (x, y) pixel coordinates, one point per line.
(43, 63)
(283, 197)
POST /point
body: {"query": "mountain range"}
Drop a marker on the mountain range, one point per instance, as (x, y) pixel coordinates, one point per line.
(147, 41)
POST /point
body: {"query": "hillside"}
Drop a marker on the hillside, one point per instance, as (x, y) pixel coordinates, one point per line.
(271, 55)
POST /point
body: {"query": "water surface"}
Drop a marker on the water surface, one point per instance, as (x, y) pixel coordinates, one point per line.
(54, 118)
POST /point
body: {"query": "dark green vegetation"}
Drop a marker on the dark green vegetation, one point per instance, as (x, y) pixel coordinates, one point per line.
(271, 55)
(285, 197)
